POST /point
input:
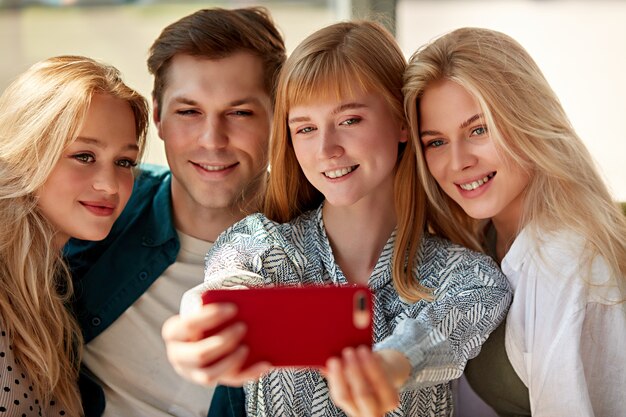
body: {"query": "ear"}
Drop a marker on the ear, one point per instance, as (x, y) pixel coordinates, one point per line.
(404, 135)
(156, 116)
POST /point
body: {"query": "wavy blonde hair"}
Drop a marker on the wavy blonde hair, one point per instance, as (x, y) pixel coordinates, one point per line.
(41, 113)
(528, 125)
(327, 64)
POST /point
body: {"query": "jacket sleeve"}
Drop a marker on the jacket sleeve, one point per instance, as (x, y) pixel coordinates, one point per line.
(439, 336)
(252, 253)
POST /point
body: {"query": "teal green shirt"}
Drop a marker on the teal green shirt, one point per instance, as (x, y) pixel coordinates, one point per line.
(110, 275)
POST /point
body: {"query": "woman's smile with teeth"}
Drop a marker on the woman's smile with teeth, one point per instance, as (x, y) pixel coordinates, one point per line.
(337, 173)
(213, 167)
(475, 184)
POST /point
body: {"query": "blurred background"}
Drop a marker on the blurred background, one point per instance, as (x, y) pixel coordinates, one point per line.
(580, 45)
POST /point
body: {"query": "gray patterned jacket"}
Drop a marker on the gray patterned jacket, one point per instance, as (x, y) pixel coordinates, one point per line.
(471, 298)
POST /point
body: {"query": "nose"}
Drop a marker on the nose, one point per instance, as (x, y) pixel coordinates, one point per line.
(106, 180)
(461, 155)
(329, 146)
(213, 134)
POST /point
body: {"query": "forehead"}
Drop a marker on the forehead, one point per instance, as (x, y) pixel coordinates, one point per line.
(238, 75)
(324, 90)
(446, 100)
(97, 124)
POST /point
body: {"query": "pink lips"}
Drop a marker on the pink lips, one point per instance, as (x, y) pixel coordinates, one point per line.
(99, 208)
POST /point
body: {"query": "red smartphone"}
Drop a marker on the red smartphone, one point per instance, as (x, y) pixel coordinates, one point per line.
(300, 326)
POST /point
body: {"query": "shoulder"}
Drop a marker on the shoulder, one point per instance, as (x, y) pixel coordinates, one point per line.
(254, 226)
(563, 244)
(149, 179)
(259, 245)
(561, 258)
(147, 172)
(259, 227)
(535, 252)
(442, 253)
(450, 267)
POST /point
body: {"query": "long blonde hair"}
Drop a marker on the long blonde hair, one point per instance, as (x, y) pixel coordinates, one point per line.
(327, 64)
(41, 113)
(529, 126)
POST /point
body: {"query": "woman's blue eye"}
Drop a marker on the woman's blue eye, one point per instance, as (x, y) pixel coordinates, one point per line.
(307, 129)
(435, 143)
(351, 121)
(479, 131)
(126, 163)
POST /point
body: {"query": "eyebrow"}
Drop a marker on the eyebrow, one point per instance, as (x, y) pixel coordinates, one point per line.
(463, 125)
(336, 110)
(234, 103)
(100, 144)
(471, 120)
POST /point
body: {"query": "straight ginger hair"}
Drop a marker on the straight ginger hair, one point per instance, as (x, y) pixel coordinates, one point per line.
(327, 65)
(41, 113)
(528, 125)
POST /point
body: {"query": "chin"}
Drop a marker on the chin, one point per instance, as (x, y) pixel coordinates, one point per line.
(94, 236)
(479, 214)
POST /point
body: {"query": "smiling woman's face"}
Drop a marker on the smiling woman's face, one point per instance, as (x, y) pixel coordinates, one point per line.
(348, 148)
(92, 181)
(463, 158)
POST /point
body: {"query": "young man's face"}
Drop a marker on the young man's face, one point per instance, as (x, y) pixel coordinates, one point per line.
(215, 119)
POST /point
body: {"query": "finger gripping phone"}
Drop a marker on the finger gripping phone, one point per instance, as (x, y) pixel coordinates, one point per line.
(300, 326)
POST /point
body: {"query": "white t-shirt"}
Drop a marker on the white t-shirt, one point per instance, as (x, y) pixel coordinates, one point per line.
(564, 338)
(129, 356)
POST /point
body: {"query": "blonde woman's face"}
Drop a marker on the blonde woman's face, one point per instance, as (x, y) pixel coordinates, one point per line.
(92, 182)
(462, 157)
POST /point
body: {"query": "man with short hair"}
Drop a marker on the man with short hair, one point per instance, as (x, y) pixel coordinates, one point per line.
(214, 75)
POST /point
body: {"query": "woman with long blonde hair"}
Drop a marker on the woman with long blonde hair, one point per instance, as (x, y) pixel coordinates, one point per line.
(344, 207)
(507, 173)
(70, 133)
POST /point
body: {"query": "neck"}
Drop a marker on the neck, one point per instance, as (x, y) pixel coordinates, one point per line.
(59, 240)
(206, 223)
(358, 235)
(507, 229)
(508, 223)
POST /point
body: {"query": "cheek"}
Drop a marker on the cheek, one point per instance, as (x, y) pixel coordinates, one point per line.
(125, 188)
(435, 165)
(522, 178)
(255, 145)
(63, 182)
(176, 135)
(299, 151)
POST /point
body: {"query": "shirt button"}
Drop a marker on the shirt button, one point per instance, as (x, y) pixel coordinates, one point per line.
(143, 275)
(96, 321)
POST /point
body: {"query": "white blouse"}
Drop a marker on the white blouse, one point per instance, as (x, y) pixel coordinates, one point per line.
(566, 330)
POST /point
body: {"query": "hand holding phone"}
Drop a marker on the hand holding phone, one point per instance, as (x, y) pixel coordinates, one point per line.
(216, 359)
(299, 326)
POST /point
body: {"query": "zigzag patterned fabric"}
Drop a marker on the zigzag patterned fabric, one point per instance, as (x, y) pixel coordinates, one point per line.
(471, 298)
